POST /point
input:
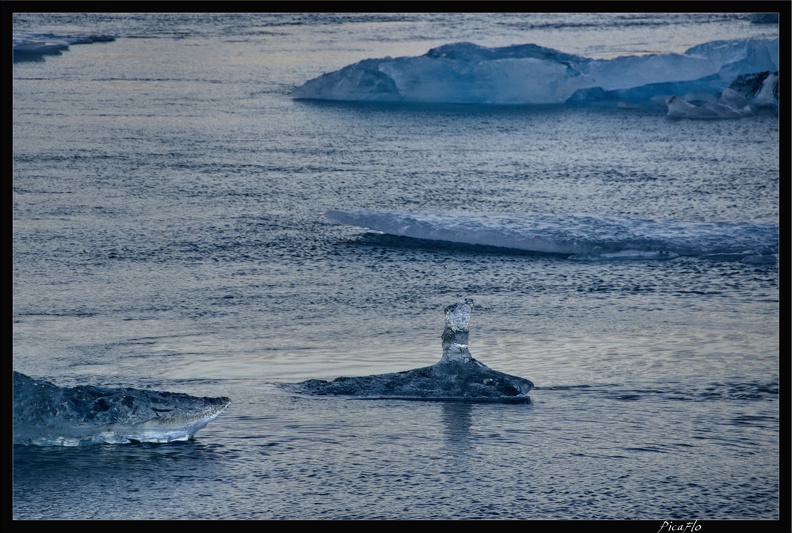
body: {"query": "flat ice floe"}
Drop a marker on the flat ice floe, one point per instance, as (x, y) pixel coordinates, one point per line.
(47, 415)
(456, 377)
(579, 236)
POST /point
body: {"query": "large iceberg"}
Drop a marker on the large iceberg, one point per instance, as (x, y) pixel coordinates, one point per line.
(456, 377)
(47, 415)
(531, 74)
(579, 236)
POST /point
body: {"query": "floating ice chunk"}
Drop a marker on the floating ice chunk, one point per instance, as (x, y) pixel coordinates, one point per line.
(734, 99)
(455, 334)
(760, 88)
(32, 46)
(745, 95)
(47, 415)
(572, 233)
(532, 74)
(456, 377)
(681, 108)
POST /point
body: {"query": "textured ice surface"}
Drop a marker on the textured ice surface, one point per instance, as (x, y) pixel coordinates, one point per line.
(687, 108)
(745, 95)
(760, 88)
(48, 415)
(581, 236)
(531, 74)
(456, 377)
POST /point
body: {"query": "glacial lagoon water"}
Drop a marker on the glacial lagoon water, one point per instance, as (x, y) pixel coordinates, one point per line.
(176, 228)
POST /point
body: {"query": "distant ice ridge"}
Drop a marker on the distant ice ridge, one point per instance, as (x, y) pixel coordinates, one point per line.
(532, 74)
(47, 415)
(41, 44)
(581, 236)
(457, 376)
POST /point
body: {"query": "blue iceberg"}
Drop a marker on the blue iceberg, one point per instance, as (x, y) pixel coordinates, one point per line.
(466, 73)
(578, 236)
(47, 415)
(456, 377)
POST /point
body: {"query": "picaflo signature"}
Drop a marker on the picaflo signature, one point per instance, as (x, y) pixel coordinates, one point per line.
(679, 527)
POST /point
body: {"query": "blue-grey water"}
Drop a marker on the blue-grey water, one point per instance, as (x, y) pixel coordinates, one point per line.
(169, 232)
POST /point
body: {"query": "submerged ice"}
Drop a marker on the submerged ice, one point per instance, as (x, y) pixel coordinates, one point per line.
(47, 415)
(457, 376)
(532, 74)
(579, 236)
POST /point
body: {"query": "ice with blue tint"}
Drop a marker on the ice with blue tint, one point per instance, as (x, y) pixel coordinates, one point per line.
(47, 415)
(746, 95)
(456, 377)
(532, 74)
(581, 236)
